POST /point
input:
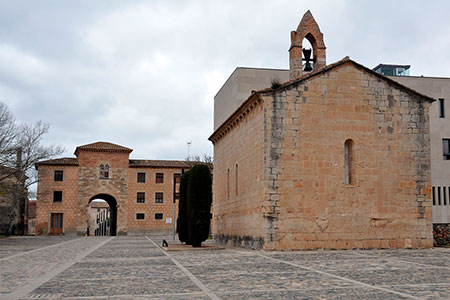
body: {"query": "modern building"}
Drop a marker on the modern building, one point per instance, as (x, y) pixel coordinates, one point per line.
(338, 156)
(140, 193)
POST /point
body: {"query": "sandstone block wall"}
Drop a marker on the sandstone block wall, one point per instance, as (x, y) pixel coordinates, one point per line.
(387, 205)
(238, 181)
(295, 195)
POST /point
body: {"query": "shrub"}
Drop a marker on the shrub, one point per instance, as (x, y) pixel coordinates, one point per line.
(275, 83)
(182, 221)
(199, 204)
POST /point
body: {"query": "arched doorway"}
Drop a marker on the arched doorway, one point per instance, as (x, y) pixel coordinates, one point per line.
(110, 216)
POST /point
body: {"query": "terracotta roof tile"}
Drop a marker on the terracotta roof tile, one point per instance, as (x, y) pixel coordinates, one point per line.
(137, 163)
(65, 161)
(103, 147)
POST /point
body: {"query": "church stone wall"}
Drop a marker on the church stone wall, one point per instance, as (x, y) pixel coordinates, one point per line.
(389, 203)
(238, 194)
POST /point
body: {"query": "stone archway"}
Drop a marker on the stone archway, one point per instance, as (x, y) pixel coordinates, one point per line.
(113, 210)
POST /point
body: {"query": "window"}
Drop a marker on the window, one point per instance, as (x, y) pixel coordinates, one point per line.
(434, 195)
(439, 195)
(57, 196)
(141, 177)
(348, 161)
(441, 108)
(140, 216)
(159, 177)
(159, 197)
(177, 196)
(237, 179)
(444, 193)
(104, 171)
(228, 183)
(140, 198)
(158, 216)
(59, 175)
(177, 177)
(446, 146)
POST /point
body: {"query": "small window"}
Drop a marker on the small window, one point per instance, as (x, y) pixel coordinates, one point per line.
(177, 196)
(140, 216)
(237, 179)
(141, 177)
(441, 108)
(140, 198)
(228, 183)
(57, 196)
(59, 175)
(158, 216)
(348, 162)
(446, 148)
(177, 177)
(104, 171)
(159, 197)
(159, 177)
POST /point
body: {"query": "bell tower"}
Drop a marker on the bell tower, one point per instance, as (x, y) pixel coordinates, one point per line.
(302, 61)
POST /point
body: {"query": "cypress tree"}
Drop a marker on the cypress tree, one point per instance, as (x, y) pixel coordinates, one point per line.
(182, 221)
(199, 204)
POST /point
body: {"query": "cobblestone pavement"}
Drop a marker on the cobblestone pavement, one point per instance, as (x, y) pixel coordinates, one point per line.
(137, 268)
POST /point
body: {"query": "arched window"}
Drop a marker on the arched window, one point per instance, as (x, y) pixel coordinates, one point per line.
(106, 171)
(102, 171)
(349, 162)
(237, 179)
(228, 183)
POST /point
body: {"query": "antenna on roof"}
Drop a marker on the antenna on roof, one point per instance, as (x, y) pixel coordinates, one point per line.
(189, 143)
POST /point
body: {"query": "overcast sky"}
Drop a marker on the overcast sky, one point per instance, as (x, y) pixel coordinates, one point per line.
(143, 74)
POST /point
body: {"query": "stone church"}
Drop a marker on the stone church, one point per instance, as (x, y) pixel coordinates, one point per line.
(336, 156)
(140, 193)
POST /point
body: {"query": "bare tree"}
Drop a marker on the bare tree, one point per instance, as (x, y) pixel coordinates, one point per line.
(203, 159)
(20, 150)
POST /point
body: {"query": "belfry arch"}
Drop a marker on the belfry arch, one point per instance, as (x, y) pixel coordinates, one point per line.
(112, 202)
(307, 29)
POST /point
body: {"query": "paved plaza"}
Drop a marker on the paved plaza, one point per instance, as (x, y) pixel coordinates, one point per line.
(138, 268)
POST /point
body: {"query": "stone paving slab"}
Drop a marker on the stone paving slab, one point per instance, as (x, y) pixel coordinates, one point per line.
(138, 268)
(329, 294)
(21, 244)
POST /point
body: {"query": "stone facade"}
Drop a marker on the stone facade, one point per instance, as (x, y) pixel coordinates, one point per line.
(82, 182)
(338, 159)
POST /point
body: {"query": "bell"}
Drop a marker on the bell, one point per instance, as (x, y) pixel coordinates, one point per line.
(306, 54)
(307, 58)
(307, 67)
